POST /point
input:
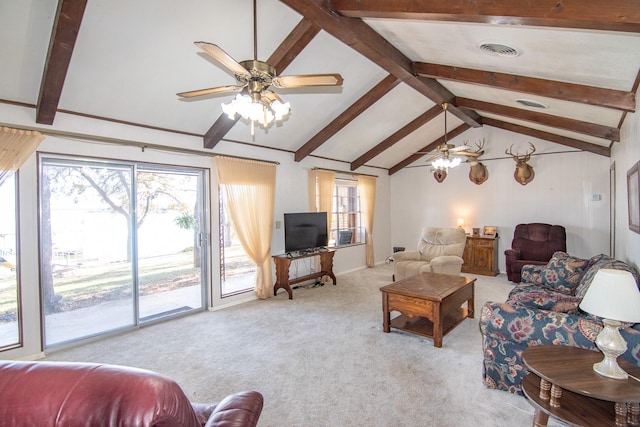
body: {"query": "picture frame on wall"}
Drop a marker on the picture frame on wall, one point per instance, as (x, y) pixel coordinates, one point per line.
(633, 197)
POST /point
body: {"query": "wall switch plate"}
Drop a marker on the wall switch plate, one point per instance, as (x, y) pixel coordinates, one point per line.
(596, 197)
(278, 224)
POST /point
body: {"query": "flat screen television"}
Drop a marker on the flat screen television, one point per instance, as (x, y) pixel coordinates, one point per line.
(305, 231)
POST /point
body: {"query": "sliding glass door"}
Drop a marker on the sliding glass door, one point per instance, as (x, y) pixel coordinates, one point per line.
(120, 245)
(169, 243)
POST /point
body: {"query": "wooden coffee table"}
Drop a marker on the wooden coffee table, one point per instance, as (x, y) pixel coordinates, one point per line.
(563, 384)
(430, 304)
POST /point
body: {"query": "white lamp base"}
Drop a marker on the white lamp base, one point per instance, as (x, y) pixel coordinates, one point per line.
(612, 345)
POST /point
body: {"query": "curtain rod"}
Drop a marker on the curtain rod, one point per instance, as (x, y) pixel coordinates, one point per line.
(346, 173)
(142, 145)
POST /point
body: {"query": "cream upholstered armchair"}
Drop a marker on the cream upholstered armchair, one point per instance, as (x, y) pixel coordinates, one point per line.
(439, 251)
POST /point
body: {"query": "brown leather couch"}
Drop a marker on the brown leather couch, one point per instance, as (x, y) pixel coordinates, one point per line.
(84, 394)
(535, 244)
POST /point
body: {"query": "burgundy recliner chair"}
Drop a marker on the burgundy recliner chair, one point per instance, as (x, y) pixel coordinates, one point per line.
(535, 244)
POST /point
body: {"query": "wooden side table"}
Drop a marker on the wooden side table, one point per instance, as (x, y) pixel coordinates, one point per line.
(283, 262)
(563, 384)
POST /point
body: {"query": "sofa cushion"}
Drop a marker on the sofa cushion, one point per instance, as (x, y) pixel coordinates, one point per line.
(563, 272)
(537, 298)
(596, 263)
(436, 242)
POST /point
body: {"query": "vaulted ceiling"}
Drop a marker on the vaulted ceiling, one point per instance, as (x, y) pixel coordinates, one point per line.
(491, 61)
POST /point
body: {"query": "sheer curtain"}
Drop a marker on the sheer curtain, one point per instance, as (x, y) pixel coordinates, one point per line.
(16, 146)
(249, 190)
(321, 186)
(367, 191)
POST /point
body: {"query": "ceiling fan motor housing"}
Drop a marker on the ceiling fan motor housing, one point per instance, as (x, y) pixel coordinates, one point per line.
(260, 79)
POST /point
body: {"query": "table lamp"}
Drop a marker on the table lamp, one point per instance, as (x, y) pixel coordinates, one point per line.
(614, 296)
(461, 223)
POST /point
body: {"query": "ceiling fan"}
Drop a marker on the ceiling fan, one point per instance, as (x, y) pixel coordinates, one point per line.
(446, 156)
(256, 101)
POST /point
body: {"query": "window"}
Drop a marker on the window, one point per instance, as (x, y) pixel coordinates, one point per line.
(10, 327)
(346, 218)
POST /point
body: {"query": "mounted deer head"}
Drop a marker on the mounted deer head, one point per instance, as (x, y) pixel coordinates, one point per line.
(478, 172)
(524, 172)
(440, 174)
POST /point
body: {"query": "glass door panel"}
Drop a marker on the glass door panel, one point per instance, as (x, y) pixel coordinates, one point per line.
(86, 249)
(9, 308)
(169, 249)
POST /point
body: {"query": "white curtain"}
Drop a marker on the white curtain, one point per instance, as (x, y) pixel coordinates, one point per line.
(367, 191)
(16, 146)
(249, 189)
(321, 187)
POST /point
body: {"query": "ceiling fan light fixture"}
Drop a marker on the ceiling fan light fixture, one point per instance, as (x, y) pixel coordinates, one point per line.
(280, 109)
(446, 163)
(260, 112)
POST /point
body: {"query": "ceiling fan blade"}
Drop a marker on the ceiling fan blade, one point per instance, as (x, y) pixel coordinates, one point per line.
(460, 148)
(468, 154)
(212, 90)
(271, 96)
(223, 58)
(307, 80)
(432, 158)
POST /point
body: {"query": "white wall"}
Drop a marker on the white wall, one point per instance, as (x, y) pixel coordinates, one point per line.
(561, 193)
(624, 155)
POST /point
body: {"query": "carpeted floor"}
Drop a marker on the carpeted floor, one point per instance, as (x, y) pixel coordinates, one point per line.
(322, 359)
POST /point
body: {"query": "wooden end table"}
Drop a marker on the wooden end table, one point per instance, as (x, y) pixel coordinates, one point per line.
(429, 303)
(563, 384)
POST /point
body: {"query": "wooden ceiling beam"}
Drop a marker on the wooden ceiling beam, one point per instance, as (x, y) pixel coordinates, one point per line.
(409, 128)
(63, 39)
(562, 140)
(616, 15)
(363, 39)
(280, 59)
(365, 101)
(609, 98)
(293, 44)
(586, 128)
(427, 149)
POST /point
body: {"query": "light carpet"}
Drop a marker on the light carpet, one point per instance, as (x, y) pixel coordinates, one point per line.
(322, 359)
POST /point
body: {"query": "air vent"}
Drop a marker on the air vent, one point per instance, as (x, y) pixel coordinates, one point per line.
(498, 49)
(530, 103)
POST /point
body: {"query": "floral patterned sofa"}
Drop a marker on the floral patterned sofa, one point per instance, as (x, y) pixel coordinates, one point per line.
(543, 309)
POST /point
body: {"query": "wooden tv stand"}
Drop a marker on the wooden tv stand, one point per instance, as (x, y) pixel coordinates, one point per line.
(283, 262)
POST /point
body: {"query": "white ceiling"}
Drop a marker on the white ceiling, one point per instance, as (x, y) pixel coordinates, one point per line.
(132, 57)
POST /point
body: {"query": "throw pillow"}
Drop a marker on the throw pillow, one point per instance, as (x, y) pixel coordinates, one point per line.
(595, 264)
(563, 272)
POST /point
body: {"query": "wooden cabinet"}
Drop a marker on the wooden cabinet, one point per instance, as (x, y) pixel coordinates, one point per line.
(481, 256)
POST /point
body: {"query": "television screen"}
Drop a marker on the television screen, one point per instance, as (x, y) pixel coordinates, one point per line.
(305, 230)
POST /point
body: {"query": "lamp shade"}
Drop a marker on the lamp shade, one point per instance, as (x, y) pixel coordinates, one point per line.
(614, 295)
